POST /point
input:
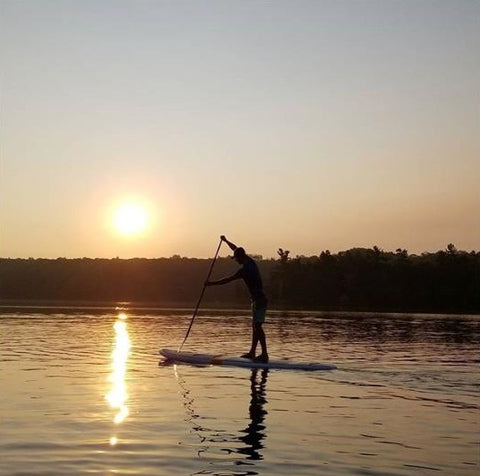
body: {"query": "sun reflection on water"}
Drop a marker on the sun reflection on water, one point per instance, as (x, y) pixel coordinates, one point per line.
(117, 396)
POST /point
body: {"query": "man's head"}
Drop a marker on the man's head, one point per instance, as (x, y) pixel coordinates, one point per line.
(239, 255)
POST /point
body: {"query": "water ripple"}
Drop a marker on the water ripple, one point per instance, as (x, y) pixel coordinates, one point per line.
(404, 397)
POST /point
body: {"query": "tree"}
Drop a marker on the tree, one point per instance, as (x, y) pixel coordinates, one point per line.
(283, 255)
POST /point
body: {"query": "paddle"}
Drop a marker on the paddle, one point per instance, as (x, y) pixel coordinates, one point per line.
(201, 295)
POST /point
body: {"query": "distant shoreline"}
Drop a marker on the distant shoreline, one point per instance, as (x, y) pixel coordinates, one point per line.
(356, 280)
(136, 308)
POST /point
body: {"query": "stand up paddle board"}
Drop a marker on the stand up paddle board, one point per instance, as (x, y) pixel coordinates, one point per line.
(209, 359)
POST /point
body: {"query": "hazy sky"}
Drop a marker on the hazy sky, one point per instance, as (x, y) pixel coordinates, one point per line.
(307, 125)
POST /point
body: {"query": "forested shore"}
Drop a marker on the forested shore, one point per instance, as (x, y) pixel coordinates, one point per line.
(358, 279)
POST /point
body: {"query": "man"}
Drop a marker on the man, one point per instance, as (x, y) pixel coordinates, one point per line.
(251, 276)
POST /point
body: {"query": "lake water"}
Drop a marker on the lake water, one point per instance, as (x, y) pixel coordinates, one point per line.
(82, 392)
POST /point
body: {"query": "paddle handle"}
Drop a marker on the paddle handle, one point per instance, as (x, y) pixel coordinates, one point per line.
(201, 296)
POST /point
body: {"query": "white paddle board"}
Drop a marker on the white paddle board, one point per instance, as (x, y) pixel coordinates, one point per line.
(210, 359)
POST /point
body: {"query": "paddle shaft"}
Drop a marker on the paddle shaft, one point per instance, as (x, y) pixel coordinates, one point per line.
(201, 296)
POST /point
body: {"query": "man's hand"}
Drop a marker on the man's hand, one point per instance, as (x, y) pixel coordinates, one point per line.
(231, 245)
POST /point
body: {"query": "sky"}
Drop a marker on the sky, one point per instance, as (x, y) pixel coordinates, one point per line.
(302, 125)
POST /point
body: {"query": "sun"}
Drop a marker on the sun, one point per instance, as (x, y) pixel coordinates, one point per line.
(130, 219)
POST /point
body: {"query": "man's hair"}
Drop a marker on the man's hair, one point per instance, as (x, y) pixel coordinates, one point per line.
(239, 252)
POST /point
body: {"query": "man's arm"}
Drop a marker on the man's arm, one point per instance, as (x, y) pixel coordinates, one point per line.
(231, 245)
(226, 280)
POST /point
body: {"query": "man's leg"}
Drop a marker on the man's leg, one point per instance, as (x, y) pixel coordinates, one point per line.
(251, 353)
(254, 340)
(258, 317)
(260, 336)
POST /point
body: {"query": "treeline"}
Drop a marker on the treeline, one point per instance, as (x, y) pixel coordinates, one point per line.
(167, 282)
(357, 279)
(375, 280)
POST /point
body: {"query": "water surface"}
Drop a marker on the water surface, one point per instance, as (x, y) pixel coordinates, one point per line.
(83, 393)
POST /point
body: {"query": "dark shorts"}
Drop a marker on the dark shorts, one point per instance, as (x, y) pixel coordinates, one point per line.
(259, 310)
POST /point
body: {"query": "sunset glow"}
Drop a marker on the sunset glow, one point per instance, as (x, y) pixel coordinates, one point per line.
(130, 219)
(340, 125)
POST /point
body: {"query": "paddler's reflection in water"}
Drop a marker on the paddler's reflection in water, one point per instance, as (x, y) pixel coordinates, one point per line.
(254, 432)
(251, 437)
